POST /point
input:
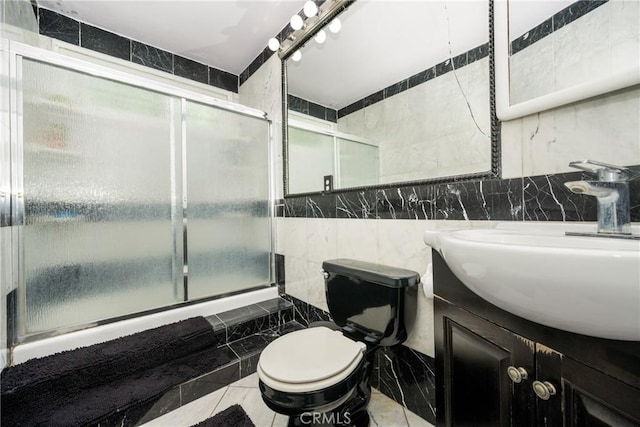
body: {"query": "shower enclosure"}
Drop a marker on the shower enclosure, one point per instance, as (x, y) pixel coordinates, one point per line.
(127, 195)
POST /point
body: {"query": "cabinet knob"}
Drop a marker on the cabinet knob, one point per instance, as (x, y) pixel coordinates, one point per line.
(517, 374)
(544, 390)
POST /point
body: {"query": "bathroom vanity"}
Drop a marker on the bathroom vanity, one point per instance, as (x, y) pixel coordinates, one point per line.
(494, 368)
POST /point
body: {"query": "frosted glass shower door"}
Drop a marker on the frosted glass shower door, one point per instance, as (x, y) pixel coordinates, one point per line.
(100, 222)
(228, 224)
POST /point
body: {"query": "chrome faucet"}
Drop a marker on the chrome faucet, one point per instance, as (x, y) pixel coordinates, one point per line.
(611, 190)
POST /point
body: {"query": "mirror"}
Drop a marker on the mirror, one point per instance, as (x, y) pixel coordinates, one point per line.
(400, 94)
(553, 53)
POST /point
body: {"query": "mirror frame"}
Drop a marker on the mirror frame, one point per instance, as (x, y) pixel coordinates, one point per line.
(505, 111)
(493, 173)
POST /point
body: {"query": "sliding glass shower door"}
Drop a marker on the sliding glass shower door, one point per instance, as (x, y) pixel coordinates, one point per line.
(129, 195)
(228, 236)
(100, 218)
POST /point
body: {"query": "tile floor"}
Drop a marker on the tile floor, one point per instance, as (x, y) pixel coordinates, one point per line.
(384, 411)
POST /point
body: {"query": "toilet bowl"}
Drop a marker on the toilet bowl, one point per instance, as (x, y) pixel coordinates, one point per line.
(320, 375)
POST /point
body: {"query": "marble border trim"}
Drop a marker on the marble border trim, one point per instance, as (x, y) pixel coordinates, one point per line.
(312, 109)
(436, 71)
(566, 16)
(533, 198)
(61, 27)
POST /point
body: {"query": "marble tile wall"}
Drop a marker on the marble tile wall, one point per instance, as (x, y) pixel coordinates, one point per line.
(404, 116)
(61, 27)
(585, 41)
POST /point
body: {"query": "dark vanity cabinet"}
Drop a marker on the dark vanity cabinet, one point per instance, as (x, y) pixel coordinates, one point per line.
(496, 369)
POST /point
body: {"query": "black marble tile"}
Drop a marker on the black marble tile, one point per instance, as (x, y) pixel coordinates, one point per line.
(249, 346)
(356, 204)
(547, 199)
(279, 211)
(505, 199)
(402, 203)
(285, 328)
(317, 314)
(275, 305)
(246, 328)
(242, 314)
(210, 382)
(318, 111)
(105, 42)
(574, 11)
(301, 310)
(165, 404)
(332, 115)
(298, 105)
(351, 108)
(280, 276)
(249, 365)
(152, 57)
(59, 27)
(143, 412)
(460, 61)
(444, 67)
(422, 76)
(322, 206)
(530, 37)
(634, 194)
(396, 88)
(478, 53)
(189, 69)
(373, 98)
(408, 377)
(223, 80)
(215, 322)
(295, 207)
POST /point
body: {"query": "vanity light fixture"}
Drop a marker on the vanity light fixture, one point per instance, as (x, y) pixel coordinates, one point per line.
(296, 22)
(309, 26)
(320, 37)
(310, 9)
(335, 26)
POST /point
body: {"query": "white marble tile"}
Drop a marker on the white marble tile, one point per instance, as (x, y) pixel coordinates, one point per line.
(357, 239)
(296, 273)
(511, 144)
(416, 421)
(251, 401)
(248, 381)
(191, 413)
(385, 412)
(321, 239)
(315, 282)
(280, 421)
(294, 237)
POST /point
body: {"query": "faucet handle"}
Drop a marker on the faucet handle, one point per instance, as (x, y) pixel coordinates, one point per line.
(604, 171)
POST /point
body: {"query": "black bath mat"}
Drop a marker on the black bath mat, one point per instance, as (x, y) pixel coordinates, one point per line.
(232, 416)
(97, 382)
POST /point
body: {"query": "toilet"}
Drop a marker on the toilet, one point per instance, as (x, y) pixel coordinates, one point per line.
(320, 375)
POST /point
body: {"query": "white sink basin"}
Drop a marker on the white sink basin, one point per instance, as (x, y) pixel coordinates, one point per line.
(587, 285)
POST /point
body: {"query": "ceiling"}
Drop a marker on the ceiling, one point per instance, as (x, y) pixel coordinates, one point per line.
(381, 41)
(225, 34)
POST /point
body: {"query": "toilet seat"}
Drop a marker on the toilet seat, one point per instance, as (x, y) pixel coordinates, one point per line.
(309, 360)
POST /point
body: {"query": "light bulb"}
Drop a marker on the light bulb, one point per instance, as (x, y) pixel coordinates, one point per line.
(274, 44)
(335, 26)
(310, 9)
(297, 56)
(296, 22)
(320, 37)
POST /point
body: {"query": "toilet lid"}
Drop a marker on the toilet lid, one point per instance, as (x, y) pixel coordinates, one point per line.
(309, 355)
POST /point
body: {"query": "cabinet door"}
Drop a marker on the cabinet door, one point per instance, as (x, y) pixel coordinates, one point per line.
(473, 357)
(595, 399)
